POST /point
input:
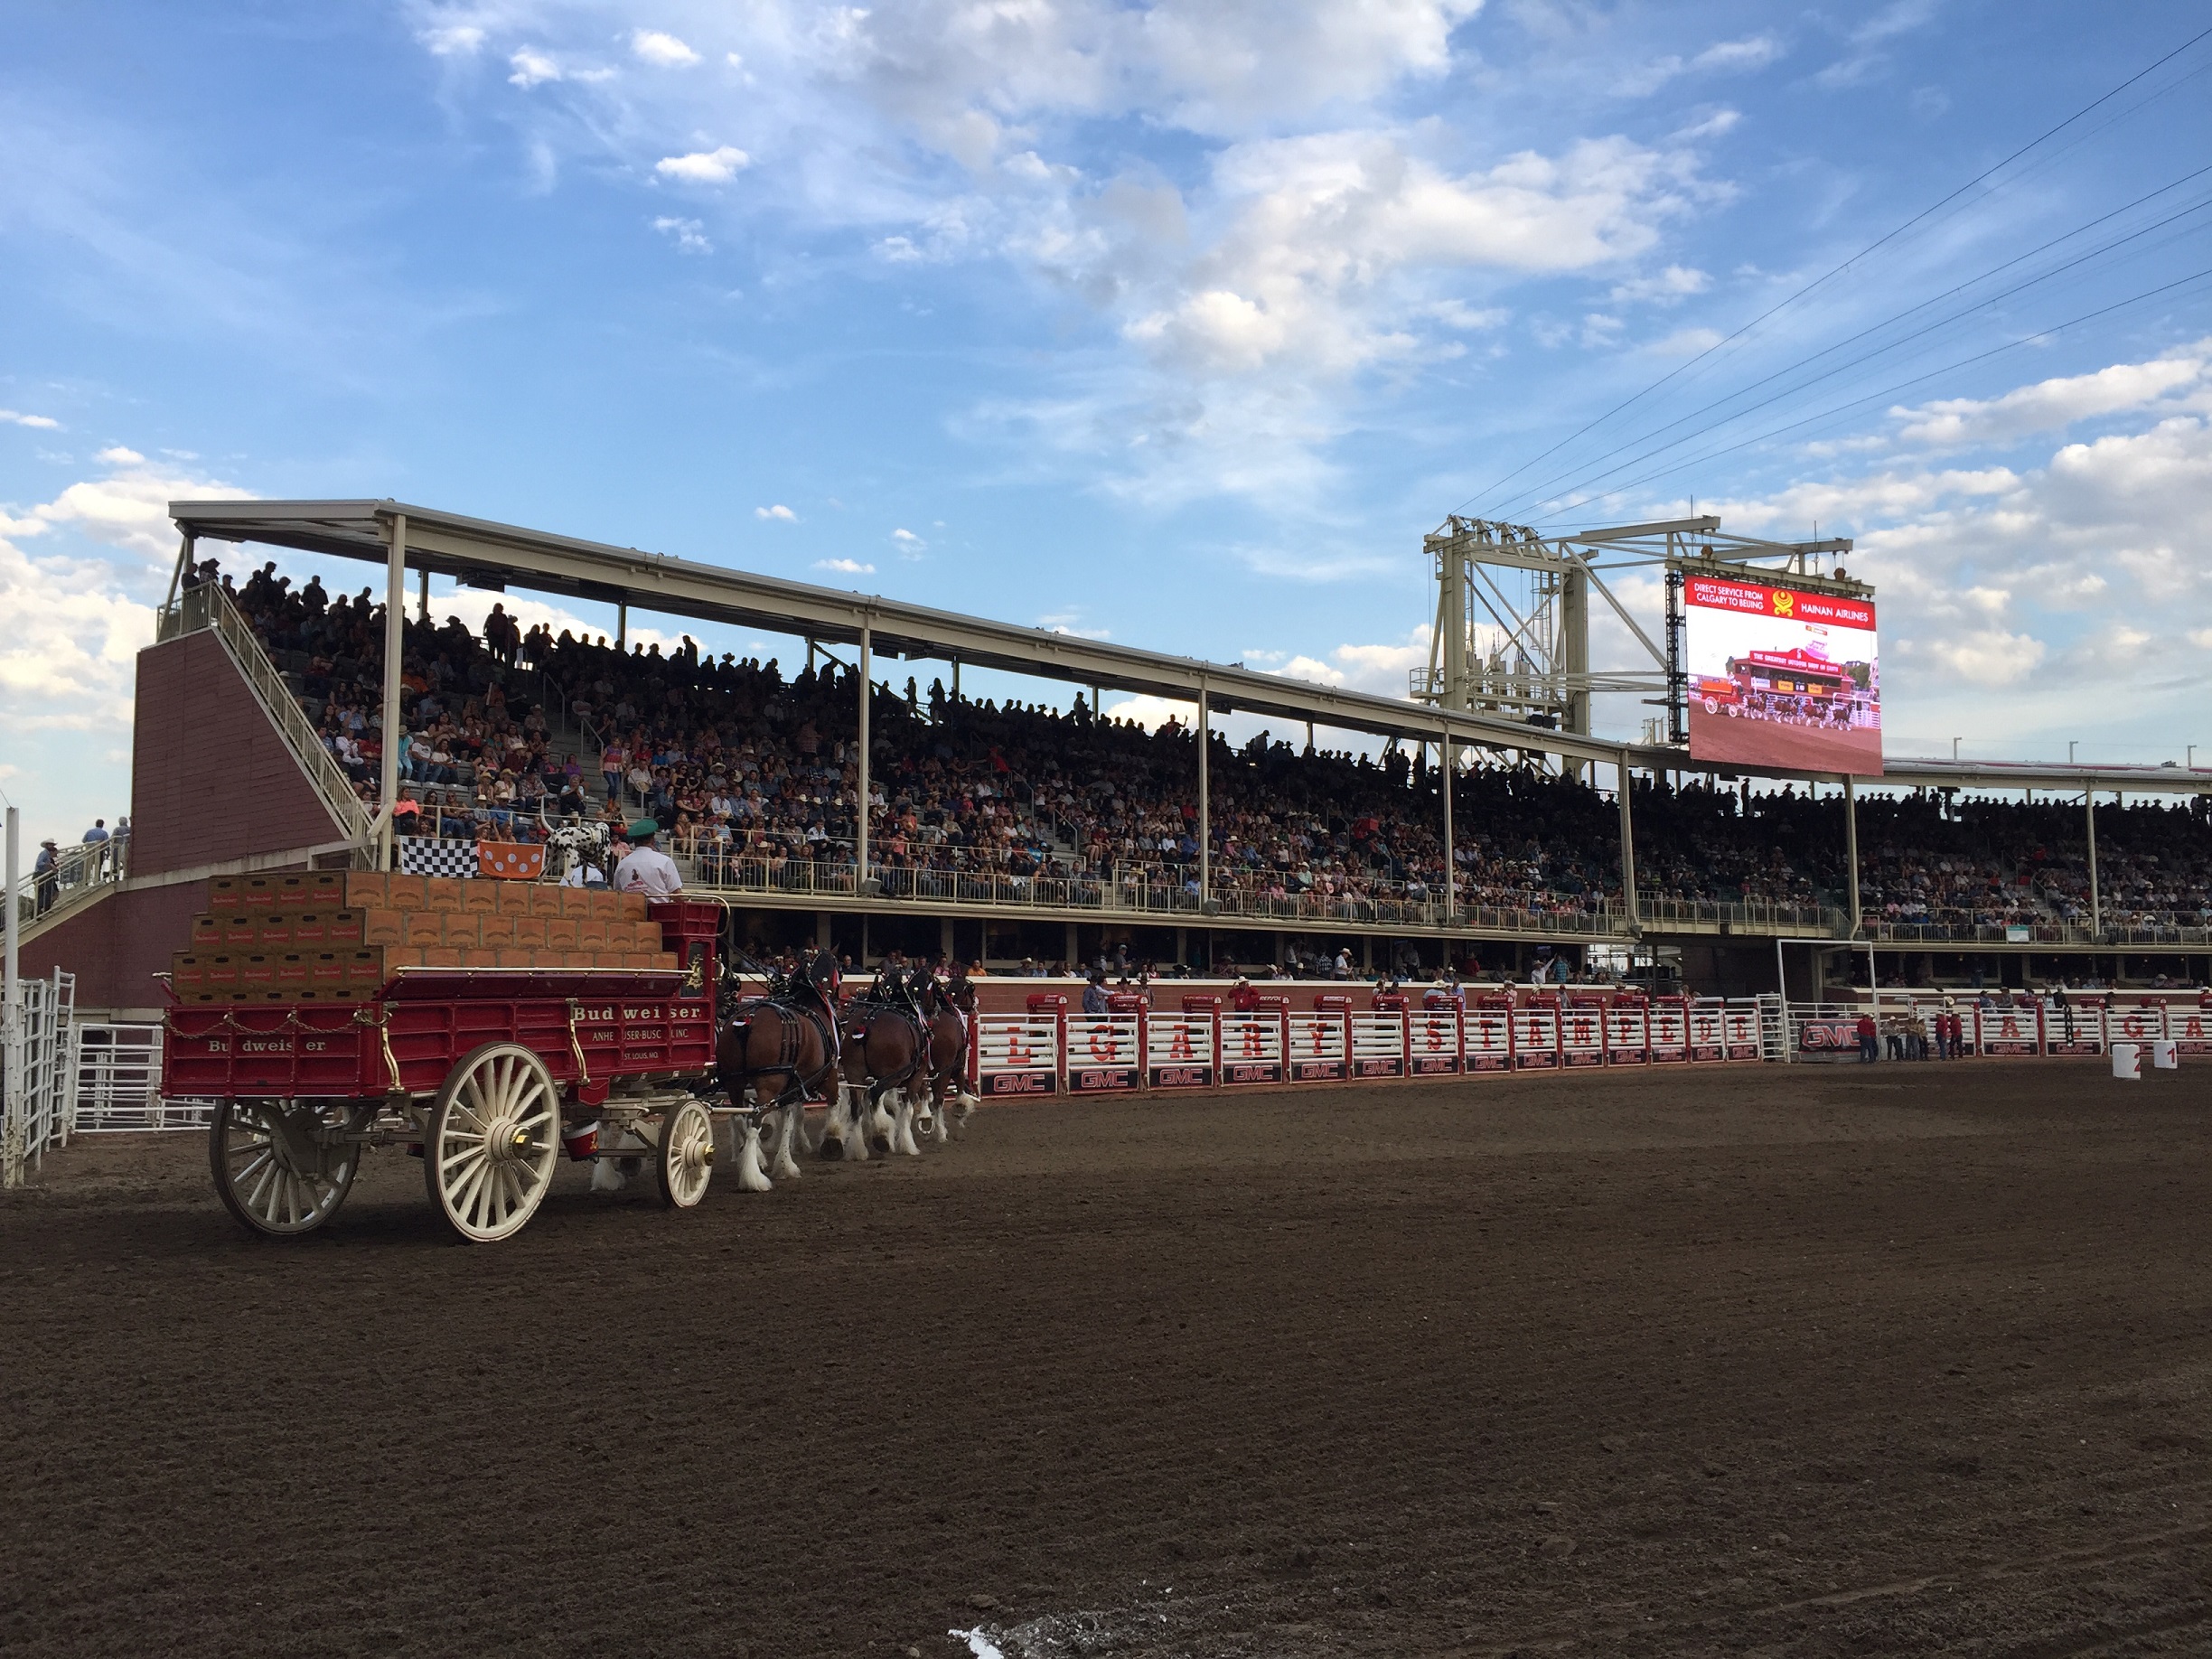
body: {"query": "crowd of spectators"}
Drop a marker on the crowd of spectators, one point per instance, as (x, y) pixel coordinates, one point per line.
(754, 777)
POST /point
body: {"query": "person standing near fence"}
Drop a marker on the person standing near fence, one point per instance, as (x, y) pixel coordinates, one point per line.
(1869, 1033)
(46, 873)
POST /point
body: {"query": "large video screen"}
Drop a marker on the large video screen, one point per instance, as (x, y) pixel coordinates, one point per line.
(1779, 677)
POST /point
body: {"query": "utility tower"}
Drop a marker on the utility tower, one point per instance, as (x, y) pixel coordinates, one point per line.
(1512, 634)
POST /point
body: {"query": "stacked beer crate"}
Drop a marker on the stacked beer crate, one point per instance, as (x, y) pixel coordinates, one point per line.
(338, 935)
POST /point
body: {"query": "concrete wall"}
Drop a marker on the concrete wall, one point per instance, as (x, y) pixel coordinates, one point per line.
(211, 778)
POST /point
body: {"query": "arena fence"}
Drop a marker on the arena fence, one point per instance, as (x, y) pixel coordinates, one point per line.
(1050, 1051)
(118, 1084)
(1910, 1025)
(36, 1074)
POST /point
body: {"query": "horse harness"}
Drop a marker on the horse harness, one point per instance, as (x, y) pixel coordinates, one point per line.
(793, 1015)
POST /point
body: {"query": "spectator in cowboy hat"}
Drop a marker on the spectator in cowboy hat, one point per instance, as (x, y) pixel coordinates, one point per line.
(47, 872)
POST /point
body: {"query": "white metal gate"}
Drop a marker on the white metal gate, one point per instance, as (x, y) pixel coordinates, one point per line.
(118, 1084)
(37, 1073)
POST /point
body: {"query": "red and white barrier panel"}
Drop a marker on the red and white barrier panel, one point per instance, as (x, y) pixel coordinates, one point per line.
(2074, 1028)
(1105, 1053)
(1251, 1047)
(1435, 1043)
(1378, 1044)
(1050, 1051)
(1627, 1034)
(1017, 1053)
(1320, 1047)
(1581, 1035)
(1489, 1040)
(1179, 1051)
(2008, 1031)
(1536, 1038)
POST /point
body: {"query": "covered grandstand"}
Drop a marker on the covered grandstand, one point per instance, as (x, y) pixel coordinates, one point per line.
(1017, 834)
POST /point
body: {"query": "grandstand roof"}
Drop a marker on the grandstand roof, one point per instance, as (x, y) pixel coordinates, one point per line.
(486, 554)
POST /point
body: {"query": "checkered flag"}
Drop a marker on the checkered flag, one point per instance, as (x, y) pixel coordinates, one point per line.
(423, 857)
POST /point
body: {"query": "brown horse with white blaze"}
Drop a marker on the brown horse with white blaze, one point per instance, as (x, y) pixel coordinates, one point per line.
(788, 1041)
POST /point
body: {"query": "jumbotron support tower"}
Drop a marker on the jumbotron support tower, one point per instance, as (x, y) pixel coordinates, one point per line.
(1511, 633)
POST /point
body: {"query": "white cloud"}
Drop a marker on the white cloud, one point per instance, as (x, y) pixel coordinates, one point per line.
(1725, 56)
(1665, 287)
(1306, 236)
(44, 423)
(76, 617)
(717, 166)
(1685, 342)
(662, 50)
(2052, 404)
(908, 542)
(849, 567)
(128, 509)
(689, 234)
(533, 68)
(777, 511)
(452, 40)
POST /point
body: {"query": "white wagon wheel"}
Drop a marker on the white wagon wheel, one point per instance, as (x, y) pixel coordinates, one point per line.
(686, 1159)
(276, 1183)
(494, 1136)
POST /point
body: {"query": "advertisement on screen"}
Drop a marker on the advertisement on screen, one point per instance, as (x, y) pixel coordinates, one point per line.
(1779, 677)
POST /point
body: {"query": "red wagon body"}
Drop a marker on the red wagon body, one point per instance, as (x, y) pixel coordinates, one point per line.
(515, 1052)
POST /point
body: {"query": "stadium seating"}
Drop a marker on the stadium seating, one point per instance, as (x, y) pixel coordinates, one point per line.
(754, 773)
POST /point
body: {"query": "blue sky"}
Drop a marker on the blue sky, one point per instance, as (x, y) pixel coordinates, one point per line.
(1178, 323)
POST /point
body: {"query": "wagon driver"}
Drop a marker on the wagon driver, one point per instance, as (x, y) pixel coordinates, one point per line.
(645, 869)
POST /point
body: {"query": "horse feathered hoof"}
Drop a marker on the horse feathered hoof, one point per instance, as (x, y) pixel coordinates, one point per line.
(752, 1171)
(830, 1149)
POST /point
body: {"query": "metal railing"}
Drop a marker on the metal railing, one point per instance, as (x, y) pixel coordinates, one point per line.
(80, 874)
(1136, 889)
(2038, 934)
(205, 608)
(1749, 914)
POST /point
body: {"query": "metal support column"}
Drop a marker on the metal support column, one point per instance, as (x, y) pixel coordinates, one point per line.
(422, 603)
(1206, 804)
(185, 550)
(622, 626)
(1851, 852)
(1452, 619)
(1574, 652)
(2096, 908)
(861, 841)
(394, 623)
(1451, 870)
(1627, 821)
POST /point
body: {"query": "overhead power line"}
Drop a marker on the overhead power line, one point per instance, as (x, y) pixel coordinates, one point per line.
(1552, 485)
(1825, 277)
(1891, 391)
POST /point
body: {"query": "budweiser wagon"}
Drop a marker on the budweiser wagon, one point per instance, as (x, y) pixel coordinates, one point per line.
(487, 1025)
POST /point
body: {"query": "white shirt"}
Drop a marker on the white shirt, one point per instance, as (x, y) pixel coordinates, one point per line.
(649, 870)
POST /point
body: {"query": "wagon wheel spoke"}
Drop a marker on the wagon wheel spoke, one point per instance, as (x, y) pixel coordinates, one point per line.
(493, 1135)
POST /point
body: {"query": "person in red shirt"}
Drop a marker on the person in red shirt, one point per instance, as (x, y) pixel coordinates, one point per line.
(1242, 999)
(1868, 1034)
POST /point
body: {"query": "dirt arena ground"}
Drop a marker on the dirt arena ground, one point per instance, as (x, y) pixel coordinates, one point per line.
(1911, 1360)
